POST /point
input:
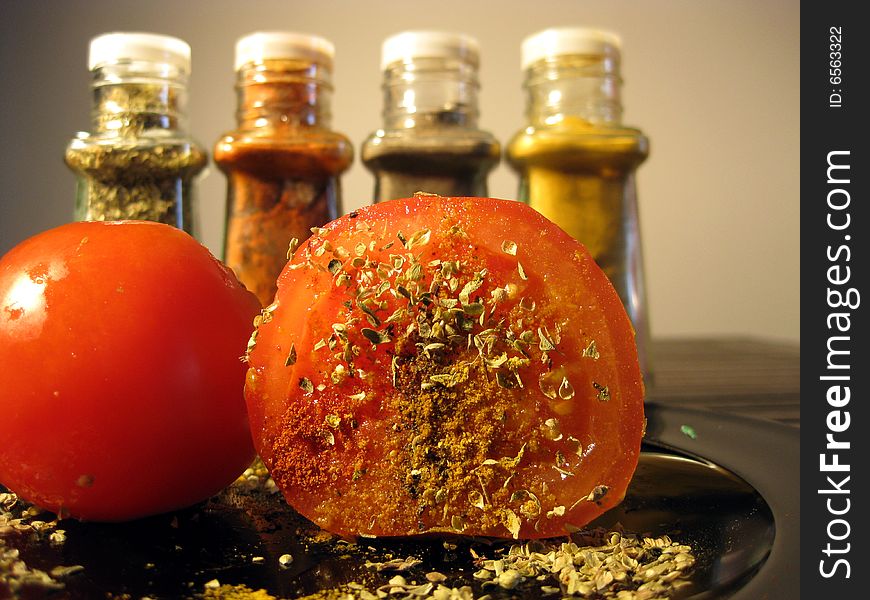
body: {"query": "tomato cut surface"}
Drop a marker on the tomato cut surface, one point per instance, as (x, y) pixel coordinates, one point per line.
(121, 390)
(454, 365)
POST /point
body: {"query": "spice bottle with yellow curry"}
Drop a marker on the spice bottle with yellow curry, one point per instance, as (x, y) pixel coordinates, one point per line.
(577, 161)
(283, 161)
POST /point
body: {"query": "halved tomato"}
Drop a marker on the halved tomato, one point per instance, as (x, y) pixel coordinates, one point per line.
(453, 365)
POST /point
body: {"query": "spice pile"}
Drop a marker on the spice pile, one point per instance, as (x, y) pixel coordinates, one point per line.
(597, 564)
(20, 520)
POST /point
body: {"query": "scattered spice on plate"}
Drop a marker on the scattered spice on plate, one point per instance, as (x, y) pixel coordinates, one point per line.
(599, 563)
(215, 591)
(21, 519)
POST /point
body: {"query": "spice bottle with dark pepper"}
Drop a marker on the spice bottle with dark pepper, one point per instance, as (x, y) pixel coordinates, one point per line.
(283, 161)
(138, 162)
(430, 141)
(577, 161)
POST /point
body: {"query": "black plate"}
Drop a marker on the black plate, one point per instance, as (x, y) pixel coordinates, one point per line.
(725, 485)
(764, 454)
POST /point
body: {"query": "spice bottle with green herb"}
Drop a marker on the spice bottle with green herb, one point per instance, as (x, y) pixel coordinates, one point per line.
(577, 161)
(430, 141)
(283, 162)
(138, 162)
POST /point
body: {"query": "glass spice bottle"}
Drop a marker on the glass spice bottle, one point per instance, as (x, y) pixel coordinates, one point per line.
(282, 162)
(138, 162)
(577, 161)
(430, 141)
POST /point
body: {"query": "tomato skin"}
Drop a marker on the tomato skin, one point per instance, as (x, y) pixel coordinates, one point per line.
(120, 346)
(362, 454)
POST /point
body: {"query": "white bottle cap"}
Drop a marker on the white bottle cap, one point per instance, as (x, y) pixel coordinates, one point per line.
(409, 45)
(568, 40)
(264, 45)
(111, 48)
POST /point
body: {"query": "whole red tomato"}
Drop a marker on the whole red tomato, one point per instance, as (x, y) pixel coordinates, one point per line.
(121, 390)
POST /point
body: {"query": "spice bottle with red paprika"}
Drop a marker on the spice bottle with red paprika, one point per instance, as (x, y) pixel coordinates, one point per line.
(430, 141)
(283, 162)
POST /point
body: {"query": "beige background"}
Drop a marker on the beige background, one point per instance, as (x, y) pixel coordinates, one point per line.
(715, 85)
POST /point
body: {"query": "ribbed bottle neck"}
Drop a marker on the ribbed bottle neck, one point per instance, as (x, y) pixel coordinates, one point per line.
(582, 86)
(134, 97)
(430, 92)
(284, 93)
